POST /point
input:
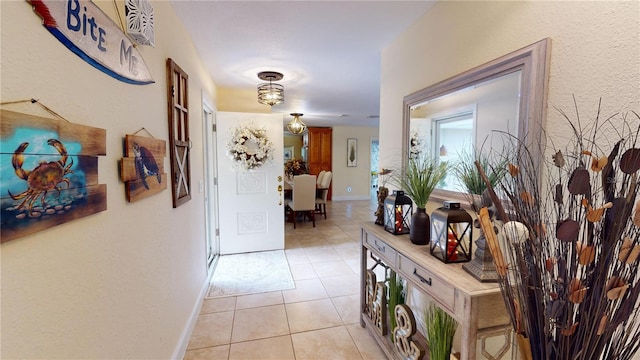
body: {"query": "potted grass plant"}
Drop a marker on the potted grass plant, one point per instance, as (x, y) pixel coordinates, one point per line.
(418, 179)
(475, 189)
(396, 297)
(469, 176)
(440, 329)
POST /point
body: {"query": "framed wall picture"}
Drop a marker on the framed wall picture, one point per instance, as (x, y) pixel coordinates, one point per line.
(288, 153)
(352, 152)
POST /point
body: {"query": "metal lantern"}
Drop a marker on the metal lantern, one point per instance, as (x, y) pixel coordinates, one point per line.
(397, 213)
(451, 233)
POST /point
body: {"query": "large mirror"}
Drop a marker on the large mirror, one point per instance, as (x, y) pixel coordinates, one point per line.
(473, 109)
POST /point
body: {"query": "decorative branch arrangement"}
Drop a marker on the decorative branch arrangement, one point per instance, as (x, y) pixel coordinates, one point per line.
(568, 267)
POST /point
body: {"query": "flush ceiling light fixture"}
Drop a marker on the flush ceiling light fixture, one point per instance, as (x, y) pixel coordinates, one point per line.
(296, 126)
(270, 93)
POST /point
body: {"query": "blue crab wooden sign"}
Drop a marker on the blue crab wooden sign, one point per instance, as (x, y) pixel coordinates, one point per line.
(48, 173)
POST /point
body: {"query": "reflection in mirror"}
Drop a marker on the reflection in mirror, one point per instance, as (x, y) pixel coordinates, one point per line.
(295, 145)
(447, 126)
(468, 111)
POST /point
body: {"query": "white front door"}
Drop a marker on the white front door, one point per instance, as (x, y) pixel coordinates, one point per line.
(211, 189)
(251, 204)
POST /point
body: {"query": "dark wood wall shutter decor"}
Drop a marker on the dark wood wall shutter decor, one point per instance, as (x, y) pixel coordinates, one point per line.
(179, 142)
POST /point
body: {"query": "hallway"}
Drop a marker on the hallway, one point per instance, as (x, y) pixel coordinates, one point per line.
(319, 319)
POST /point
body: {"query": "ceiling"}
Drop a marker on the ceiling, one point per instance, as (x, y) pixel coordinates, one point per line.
(328, 51)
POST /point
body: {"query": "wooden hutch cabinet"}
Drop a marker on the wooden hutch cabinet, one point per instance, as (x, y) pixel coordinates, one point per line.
(317, 141)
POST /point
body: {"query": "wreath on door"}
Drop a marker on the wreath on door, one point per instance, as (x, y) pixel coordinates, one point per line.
(249, 147)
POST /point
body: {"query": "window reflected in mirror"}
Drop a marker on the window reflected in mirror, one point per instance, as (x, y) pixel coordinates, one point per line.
(473, 110)
(461, 122)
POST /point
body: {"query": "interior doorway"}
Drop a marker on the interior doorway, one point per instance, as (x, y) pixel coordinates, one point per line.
(375, 151)
(252, 197)
(212, 228)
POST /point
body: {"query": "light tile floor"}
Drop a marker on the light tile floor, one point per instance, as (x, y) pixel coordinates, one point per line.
(316, 320)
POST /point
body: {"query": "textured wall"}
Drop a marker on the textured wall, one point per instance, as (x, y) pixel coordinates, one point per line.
(240, 100)
(124, 282)
(595, 54)
(357, 178)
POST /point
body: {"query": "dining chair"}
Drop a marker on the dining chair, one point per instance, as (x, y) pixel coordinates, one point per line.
(322, 192)
(287, 190)
(319, 185)
(320, 176)
(303, 197)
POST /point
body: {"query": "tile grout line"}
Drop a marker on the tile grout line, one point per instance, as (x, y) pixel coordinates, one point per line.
(233, 320)
(310, 242)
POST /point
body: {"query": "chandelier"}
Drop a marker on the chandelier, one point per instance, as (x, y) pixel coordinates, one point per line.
(296, 126)
(270, 93)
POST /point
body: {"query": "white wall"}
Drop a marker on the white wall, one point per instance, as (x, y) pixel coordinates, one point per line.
(595, 54)
(240, 100)
(496, 105)
(122, 283)
(359, 177)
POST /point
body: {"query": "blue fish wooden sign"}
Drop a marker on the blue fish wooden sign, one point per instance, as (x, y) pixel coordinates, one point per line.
(87, 31)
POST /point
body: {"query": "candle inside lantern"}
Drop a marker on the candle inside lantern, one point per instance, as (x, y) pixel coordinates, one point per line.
(397, 207)
(452, 244)
(398, 219)
(453, 228)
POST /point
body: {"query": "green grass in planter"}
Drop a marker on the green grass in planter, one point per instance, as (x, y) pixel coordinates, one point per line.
(419, 178)
(396, 296)
(467, 172)
(441, 328)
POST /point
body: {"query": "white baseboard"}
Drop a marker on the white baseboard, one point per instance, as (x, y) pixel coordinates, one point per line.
(181, 347)
(351, 197)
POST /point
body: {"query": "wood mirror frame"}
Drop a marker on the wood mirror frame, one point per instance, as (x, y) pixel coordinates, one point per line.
(532, 60)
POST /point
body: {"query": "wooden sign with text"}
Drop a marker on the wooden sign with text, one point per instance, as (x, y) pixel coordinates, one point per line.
(89, 33)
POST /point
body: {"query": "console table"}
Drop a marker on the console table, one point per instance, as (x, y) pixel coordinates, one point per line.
(477, 307)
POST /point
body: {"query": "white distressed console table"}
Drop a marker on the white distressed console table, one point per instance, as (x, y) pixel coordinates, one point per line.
(477, 307)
